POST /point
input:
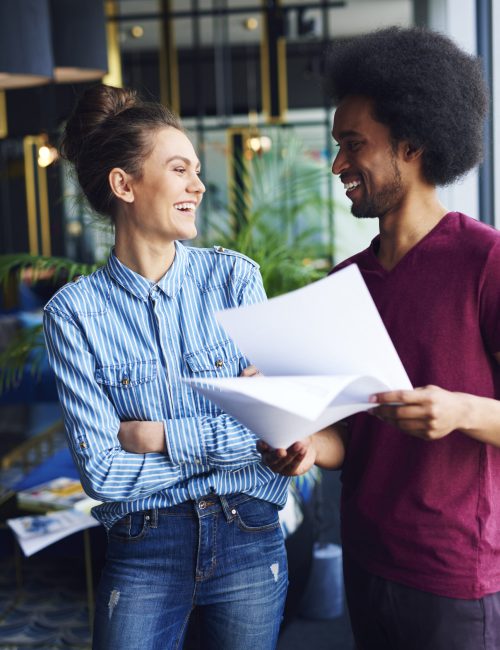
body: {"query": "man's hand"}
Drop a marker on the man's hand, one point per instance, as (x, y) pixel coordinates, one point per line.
(142, 437)
(429, 413)
(295, 460)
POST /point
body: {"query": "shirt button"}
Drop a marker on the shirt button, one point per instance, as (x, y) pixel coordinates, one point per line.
(220, 249)
(219, 363)
(125, 381)
(83, 445)
(197, 461)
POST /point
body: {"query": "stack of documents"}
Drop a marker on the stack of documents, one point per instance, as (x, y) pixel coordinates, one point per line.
(323, 350)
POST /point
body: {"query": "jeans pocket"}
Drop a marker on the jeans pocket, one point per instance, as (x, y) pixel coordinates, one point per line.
(256, 516)
(132, 527)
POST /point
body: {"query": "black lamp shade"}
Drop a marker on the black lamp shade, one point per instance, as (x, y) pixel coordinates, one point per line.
(79, 40)
(25, 43)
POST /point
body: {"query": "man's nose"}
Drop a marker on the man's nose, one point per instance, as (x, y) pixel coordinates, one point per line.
(339, 163)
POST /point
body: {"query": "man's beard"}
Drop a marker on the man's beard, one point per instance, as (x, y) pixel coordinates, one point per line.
(386, 199)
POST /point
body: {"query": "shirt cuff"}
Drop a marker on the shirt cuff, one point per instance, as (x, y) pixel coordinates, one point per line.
(184, 441)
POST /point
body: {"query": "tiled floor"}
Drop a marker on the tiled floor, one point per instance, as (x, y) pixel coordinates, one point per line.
(49, 609)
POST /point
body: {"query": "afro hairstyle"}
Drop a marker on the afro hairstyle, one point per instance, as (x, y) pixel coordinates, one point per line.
(424, 88)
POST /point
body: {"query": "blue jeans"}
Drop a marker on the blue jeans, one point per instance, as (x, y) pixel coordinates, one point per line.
(223, 555)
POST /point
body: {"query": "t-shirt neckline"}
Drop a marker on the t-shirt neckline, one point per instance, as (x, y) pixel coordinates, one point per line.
(375, 243)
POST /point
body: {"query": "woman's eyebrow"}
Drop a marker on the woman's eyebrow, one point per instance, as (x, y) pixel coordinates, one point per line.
(195, 163)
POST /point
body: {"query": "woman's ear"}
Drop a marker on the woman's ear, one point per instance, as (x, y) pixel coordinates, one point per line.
(120, 184)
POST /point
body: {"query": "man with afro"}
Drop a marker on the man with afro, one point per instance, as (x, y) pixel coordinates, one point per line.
(421, 472)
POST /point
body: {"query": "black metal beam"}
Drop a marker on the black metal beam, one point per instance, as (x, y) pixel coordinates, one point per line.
(486, 169)
(218, 12)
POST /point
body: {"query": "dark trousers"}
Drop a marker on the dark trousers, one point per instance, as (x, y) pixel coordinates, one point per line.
(386, 615)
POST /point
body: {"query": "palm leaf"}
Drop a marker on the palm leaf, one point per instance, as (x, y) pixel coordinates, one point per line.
(27, 350)
(60, 268)
(278, 215)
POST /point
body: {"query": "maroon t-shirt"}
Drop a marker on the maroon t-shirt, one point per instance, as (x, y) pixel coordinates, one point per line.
(427, 514)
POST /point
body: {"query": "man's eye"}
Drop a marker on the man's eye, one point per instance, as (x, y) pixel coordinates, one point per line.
(354, 145)
(180, 170)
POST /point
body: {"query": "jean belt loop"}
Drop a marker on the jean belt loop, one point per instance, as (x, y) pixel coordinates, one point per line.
(153, 517)
(229, 512)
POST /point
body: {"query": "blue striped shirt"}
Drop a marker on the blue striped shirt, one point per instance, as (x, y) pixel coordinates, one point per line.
(120, 345)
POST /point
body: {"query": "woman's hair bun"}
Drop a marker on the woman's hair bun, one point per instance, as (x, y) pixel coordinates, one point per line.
(111, 128)
(97, 104)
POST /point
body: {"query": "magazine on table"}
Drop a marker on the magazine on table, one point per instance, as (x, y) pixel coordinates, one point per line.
(65, 507)
(35, 532)
(57, 494)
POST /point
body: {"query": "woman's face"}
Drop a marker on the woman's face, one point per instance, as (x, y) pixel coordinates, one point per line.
(169, 191)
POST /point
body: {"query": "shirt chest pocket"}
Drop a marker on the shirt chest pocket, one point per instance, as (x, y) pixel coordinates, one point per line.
(221, 359)
(129, 386)
(128, 375)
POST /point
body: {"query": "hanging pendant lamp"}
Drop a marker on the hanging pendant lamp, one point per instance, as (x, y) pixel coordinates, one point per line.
(25, 43)
(79, 40)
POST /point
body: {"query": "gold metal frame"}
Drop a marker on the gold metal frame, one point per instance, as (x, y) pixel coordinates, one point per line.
(4, 129)
(37, 198)
(168, 63)
(281, 72)
(245, 133)
(114, 76)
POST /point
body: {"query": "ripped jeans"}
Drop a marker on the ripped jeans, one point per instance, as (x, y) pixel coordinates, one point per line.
(224, 555)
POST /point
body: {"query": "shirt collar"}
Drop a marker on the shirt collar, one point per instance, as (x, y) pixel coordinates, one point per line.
(141, 287)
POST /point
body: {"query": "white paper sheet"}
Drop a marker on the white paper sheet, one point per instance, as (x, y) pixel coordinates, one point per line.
(39, 531)
(323, 350)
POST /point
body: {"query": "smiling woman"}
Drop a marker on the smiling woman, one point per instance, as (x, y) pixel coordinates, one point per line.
(191, 511)
(159, 206)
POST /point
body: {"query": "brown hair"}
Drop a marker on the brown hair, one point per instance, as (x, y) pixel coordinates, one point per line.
(111, 127)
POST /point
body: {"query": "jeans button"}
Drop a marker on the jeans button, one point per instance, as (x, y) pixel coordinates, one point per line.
(202, 505)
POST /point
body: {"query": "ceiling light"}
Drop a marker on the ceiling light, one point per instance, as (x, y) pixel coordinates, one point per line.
(251, 24)
(25, 45)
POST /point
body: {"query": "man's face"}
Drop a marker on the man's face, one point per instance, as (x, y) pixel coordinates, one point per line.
(366, 160)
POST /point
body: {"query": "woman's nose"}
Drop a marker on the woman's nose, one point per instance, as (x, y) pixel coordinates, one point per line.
(197, 185)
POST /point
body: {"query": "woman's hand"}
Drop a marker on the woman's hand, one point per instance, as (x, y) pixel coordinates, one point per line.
(296, 460)
(325, 448)
(142, 437)
(250, 371)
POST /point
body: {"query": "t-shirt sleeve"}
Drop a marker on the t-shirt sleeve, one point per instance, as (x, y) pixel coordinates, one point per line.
(489, 303)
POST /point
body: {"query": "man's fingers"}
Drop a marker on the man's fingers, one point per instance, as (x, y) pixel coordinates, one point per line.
(393, 412)
(416, 396)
